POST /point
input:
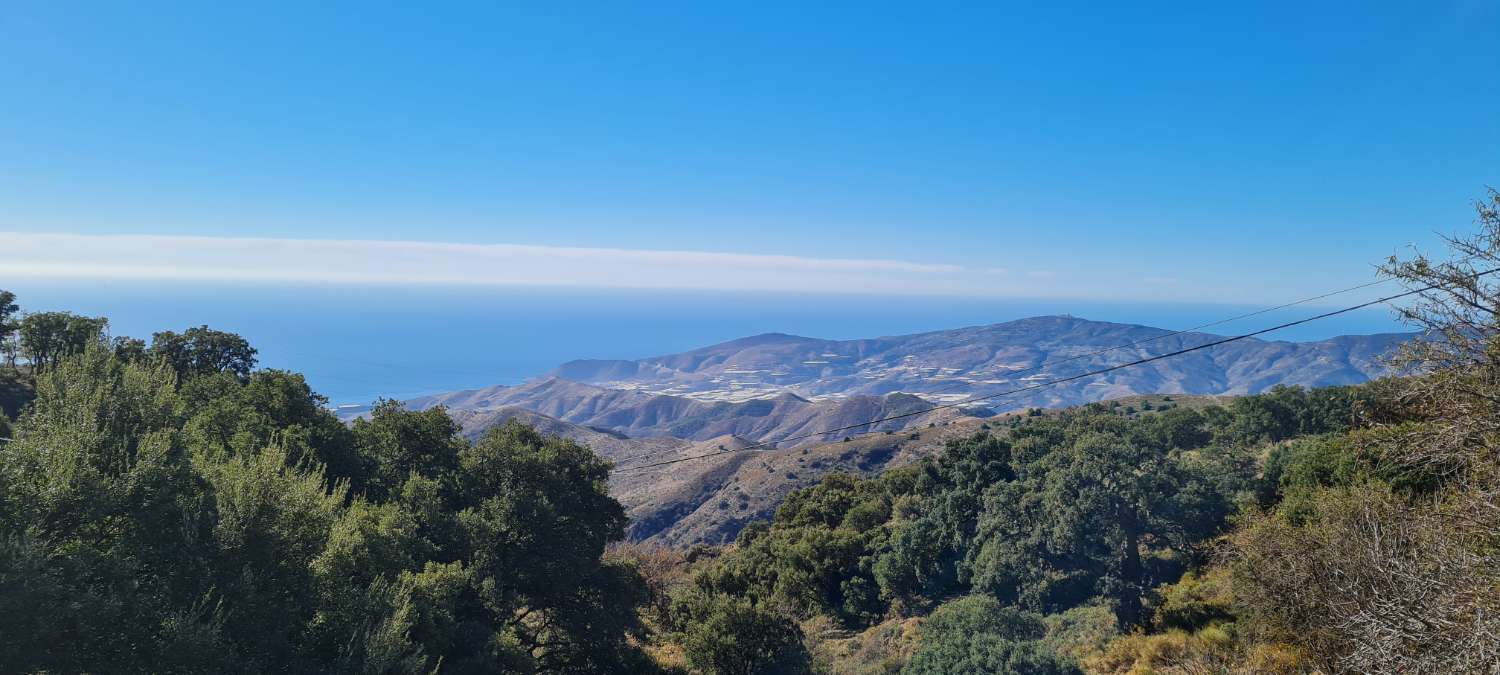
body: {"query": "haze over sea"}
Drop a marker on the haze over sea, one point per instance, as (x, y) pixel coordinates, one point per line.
(359, 342)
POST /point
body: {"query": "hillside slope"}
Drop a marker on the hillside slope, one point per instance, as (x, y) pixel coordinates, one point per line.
(711, 499)
(680, 505)
(638, 414)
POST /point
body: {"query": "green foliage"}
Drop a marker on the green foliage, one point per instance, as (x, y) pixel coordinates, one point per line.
(204, 351)
(48, 337)
(975, 614)
(935, 526)
(1074, 513)
(225, 416)
(273, 520)
(920, 563)
(103, 527)
(1287, 412)
(727, 635)
(821, 562)
(1082, 630)
(16, 392)
(226, 522)
(1296, 472)
(9, 323)
(1196, 601)
(1073, 523)
(1371, 543)
(535, 516)
(170, 509)
(396, 443)
(986, 653)
(977, 634)
(129, 349)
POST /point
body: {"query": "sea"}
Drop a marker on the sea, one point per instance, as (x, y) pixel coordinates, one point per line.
(358, 343)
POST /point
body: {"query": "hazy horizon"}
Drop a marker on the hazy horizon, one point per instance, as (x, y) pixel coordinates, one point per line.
(357, 342)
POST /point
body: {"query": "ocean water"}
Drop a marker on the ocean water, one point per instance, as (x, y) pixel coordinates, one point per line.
(359, 342)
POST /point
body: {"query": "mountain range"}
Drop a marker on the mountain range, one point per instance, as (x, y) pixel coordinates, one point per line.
(787, 392)
(773, 387)
(953, 364)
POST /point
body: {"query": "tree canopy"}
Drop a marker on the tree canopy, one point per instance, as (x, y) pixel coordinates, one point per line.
(214, 521)
(1053, 515)
(204, 351)
(48, 337)
(9, 323)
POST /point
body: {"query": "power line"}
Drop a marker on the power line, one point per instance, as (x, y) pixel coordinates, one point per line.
(1040, 366)
(1155, 338)
(1049, 383)
(1097, 352)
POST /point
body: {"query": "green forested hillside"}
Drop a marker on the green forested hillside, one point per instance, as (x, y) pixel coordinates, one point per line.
(1065, 520)
(1326, 531)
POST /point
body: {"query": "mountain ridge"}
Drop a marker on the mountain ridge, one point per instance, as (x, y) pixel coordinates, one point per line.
(772, 387)
(955, 363)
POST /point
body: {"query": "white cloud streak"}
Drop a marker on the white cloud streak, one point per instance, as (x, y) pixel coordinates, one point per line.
(191, 258)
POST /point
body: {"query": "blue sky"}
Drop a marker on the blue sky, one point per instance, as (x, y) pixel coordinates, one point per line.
(1197, 151)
